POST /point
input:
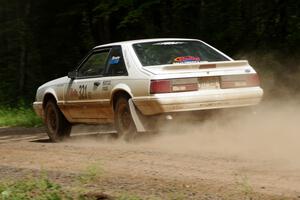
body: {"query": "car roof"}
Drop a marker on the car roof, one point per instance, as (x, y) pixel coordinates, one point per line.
(142, 41)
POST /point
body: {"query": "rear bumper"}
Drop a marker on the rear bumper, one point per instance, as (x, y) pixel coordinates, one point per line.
(200, 100)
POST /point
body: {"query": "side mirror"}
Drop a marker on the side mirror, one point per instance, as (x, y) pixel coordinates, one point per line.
(72, 74)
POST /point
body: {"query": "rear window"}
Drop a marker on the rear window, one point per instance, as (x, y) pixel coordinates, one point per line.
(172, 52)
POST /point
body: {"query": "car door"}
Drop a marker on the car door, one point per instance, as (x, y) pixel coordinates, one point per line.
(83, 96)
(115, 71)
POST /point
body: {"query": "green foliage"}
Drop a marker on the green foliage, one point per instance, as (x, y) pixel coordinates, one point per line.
(43, 40)
(43, 188)
(32, 189)
(245, 187)
(92, 173)
(19, 116)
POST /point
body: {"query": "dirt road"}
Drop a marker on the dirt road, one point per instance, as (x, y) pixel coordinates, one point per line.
(181, 164)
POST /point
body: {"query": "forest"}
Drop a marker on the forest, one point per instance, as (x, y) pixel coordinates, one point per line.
(44, 39)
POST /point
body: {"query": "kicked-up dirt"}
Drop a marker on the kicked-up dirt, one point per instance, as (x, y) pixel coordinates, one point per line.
(242, 155)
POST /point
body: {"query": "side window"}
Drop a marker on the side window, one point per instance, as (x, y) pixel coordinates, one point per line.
(116, 65)
(94, 65)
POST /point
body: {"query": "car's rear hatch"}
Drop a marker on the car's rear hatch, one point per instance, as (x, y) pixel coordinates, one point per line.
(202, 76)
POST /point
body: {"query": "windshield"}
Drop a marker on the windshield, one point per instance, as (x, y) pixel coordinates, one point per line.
(172, 52)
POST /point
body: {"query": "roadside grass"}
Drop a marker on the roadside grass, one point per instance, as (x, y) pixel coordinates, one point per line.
(19, 116)
(43, 188)
(82, 187)
(32, 189)
(244, 186)
(91, 174)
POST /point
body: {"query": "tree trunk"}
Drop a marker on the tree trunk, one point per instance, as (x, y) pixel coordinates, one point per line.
(24, 32)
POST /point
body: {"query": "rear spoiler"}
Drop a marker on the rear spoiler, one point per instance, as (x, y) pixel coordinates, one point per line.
(203, 65)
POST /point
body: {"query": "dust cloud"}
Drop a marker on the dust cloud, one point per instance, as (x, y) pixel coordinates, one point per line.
(270, 131)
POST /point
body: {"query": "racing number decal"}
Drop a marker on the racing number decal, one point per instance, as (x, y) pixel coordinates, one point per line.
(83, 92)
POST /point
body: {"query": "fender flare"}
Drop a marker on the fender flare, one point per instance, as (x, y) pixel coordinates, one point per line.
(121, 87)
(49, 91)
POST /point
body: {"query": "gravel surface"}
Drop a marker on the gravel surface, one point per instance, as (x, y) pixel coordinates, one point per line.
(148, 168)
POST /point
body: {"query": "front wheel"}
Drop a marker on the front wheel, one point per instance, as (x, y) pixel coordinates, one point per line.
(58, 128)
(123, 120)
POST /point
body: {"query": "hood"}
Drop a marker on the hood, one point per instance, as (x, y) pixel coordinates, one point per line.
(57, 81)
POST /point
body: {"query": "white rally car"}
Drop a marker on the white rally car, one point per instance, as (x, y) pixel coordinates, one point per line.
(127, 83)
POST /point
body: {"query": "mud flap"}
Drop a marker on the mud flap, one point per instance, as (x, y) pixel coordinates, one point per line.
(136, 116)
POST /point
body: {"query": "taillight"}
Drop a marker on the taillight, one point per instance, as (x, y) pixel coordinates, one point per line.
(253, 80)
(236, 81)
(160, 86)
(173, 85)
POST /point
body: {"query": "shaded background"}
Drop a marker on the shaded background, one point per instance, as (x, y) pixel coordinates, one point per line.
(44, 39)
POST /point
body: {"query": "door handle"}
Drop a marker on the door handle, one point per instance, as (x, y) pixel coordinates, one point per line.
(96, 83)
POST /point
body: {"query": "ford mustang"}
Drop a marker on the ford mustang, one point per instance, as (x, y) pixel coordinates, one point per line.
(131, 83)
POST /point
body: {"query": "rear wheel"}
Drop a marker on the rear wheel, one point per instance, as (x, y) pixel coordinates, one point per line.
(58, 128)
(123, 120)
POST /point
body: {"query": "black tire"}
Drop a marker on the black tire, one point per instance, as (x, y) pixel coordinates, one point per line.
(124, 123)
(58, 128)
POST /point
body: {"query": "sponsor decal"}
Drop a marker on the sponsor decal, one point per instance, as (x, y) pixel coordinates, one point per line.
(105, 88)
(186, 59)
(73, 93)
(106, 83)
(168, 43)
(114, 60)
(83, 92)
